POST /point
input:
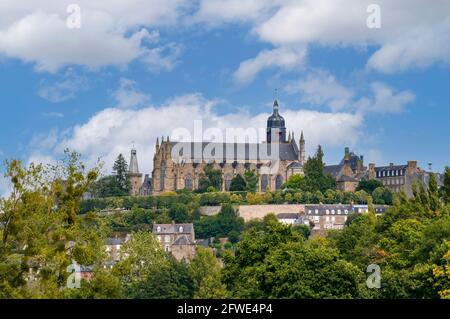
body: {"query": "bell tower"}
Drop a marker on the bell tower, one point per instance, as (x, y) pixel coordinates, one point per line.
(276, 129)
(134, 175)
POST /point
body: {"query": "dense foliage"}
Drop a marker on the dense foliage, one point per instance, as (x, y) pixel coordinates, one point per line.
(42, 234)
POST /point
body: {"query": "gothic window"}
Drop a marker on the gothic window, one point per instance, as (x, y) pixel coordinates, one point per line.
(228, 179)
(278, 182)
(188, 183)
(162, 176)
(264, 182)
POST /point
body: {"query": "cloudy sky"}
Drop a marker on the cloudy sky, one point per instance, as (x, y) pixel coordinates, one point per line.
(139, 69)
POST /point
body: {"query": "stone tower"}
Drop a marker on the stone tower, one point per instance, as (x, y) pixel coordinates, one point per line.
(301, 152)
(276, 126)
(134, 175)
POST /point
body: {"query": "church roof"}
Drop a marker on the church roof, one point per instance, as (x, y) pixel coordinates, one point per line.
(193, 151)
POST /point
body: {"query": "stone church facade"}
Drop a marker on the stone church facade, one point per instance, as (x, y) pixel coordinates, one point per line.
(179, 166)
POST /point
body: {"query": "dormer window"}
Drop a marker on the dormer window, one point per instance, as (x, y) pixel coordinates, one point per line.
(180, 229)
(158, 229)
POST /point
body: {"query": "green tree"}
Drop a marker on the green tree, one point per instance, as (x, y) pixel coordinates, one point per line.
(39, 224)
(205, 273)
(120, 172)
(446, 193)
(433, 193)
(251, 181)
(238, 184)
(179, 213)
(369, 185)
(315, 178)
(295, 181)
(210, 178)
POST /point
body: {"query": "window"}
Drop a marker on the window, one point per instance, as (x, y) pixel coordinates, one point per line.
(264, 182)
(327, 212)
(339, 211)
(188, 182)
(180, 229)
(167, 248)
(316, 218)
(228, 179)
(327, 218)
(332, 211)
(162, 176)
(333, 218)
(159, 238)
(278, 182)
(167, 239)
(158, 229)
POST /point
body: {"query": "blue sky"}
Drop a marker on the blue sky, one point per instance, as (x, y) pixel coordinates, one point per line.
(147, 67)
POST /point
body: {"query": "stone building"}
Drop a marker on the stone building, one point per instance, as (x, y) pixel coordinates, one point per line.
(134, 175)
(178, 239)
(333, 216)
(348, 172)
(401, 177)
(179, 165)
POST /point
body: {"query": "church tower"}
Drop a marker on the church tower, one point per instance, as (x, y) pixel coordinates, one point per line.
(276, 128)
(134, 175)
(301, 153)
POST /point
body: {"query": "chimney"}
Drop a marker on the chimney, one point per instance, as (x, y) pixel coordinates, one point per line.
(412, 166)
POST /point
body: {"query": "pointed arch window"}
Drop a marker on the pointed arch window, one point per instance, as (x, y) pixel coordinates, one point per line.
(278, 182)
(162, 176)
(264, 182)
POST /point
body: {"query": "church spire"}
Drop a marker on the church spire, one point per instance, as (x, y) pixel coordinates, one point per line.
(134, 168)
(301, 153)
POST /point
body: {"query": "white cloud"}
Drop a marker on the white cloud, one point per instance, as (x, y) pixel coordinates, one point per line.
(386, 100)
(111, 33)
(112, 131)
(216, 12)
(127, 95)
(322, 88)
(63, 90)
(412, 34)
(285, 57)
(319, 88)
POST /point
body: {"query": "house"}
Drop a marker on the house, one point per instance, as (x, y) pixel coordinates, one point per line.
(178, 239)
(288, 218)
(114, 245)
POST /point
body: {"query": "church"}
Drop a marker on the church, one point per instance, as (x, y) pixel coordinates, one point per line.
(176, 165)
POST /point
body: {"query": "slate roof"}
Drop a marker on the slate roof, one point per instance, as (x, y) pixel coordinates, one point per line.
(345, 178)
(288, 216)
(295, 165)
(232, 151)
(172, 228)
(183, 240)
(333, 170)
